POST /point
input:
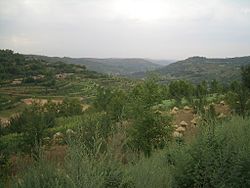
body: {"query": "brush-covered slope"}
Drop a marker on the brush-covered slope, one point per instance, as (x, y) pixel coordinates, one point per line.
(14, 65)
(200, 68)
(113, 66)
(196, 69)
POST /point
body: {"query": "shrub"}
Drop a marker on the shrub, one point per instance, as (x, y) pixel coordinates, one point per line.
(217, 158)
(93, 127)
(11, 143)
(70, 107)
(43, 174)
(245, 74)
(32, 123)
(150, 172)
(5, 167)
(179, 89)
(95, 170)
(81, 169)
(149, 131)
(239, 101)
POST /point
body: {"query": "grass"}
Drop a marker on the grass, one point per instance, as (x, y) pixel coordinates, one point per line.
(14, 110)
(150, 172)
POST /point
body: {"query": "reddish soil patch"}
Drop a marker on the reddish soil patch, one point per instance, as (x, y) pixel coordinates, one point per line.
(225, 109)
(187, 116)
(56, 153)
(4, 121)
(57, 101)
(183, 115)
(19, 163)
(30, 101)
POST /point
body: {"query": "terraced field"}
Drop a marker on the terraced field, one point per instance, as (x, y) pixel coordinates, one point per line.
(13, 96)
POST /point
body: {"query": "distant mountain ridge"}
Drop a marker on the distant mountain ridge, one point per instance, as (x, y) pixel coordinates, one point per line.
(115, 66)
(244, 59)
(162, 62)
(197, 68)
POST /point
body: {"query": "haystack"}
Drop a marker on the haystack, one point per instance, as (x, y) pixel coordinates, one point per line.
(177, 134)
(221, 116)
(183, 123)
(222, 103)
(175, 109)
(180, 129)
(194, 122)
(187, 108)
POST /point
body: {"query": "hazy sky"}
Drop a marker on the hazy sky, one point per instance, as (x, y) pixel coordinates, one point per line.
(170, 29)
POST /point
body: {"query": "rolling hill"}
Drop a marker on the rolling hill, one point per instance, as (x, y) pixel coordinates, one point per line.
(15, 65)
(114, 66)
(196, 69)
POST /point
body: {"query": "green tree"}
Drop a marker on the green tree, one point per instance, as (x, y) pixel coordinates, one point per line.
(234, 86)
(147, 94)
(103, 98)
(35, 129)
(149, 131)
(50, 80)
(239, 100)
(69, 107)
(245, 74)
(179, 89)
(116, 106)
(32, 123)
(200, 102)
(239, 95)
(215, 86)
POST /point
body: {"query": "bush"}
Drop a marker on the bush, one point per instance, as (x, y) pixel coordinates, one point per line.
(149, 131)
(239, 101)
(95, 170)
(5, 167)
(11, 143)
(217, 158)
(93, 127)
(32, 123)
(179, 89)
(43, 174)
(81, 169)
(150, 172)
(70, 107)
(245, 74)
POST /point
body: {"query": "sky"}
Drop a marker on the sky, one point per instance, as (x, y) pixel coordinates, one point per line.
(159, 29)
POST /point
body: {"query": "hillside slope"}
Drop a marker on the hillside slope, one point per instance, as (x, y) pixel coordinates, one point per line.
(14, 65)
(113, 66)
(196, 69)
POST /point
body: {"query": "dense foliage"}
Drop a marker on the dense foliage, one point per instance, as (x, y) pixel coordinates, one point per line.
(214, 159)
(195, 69)
(14, 65)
